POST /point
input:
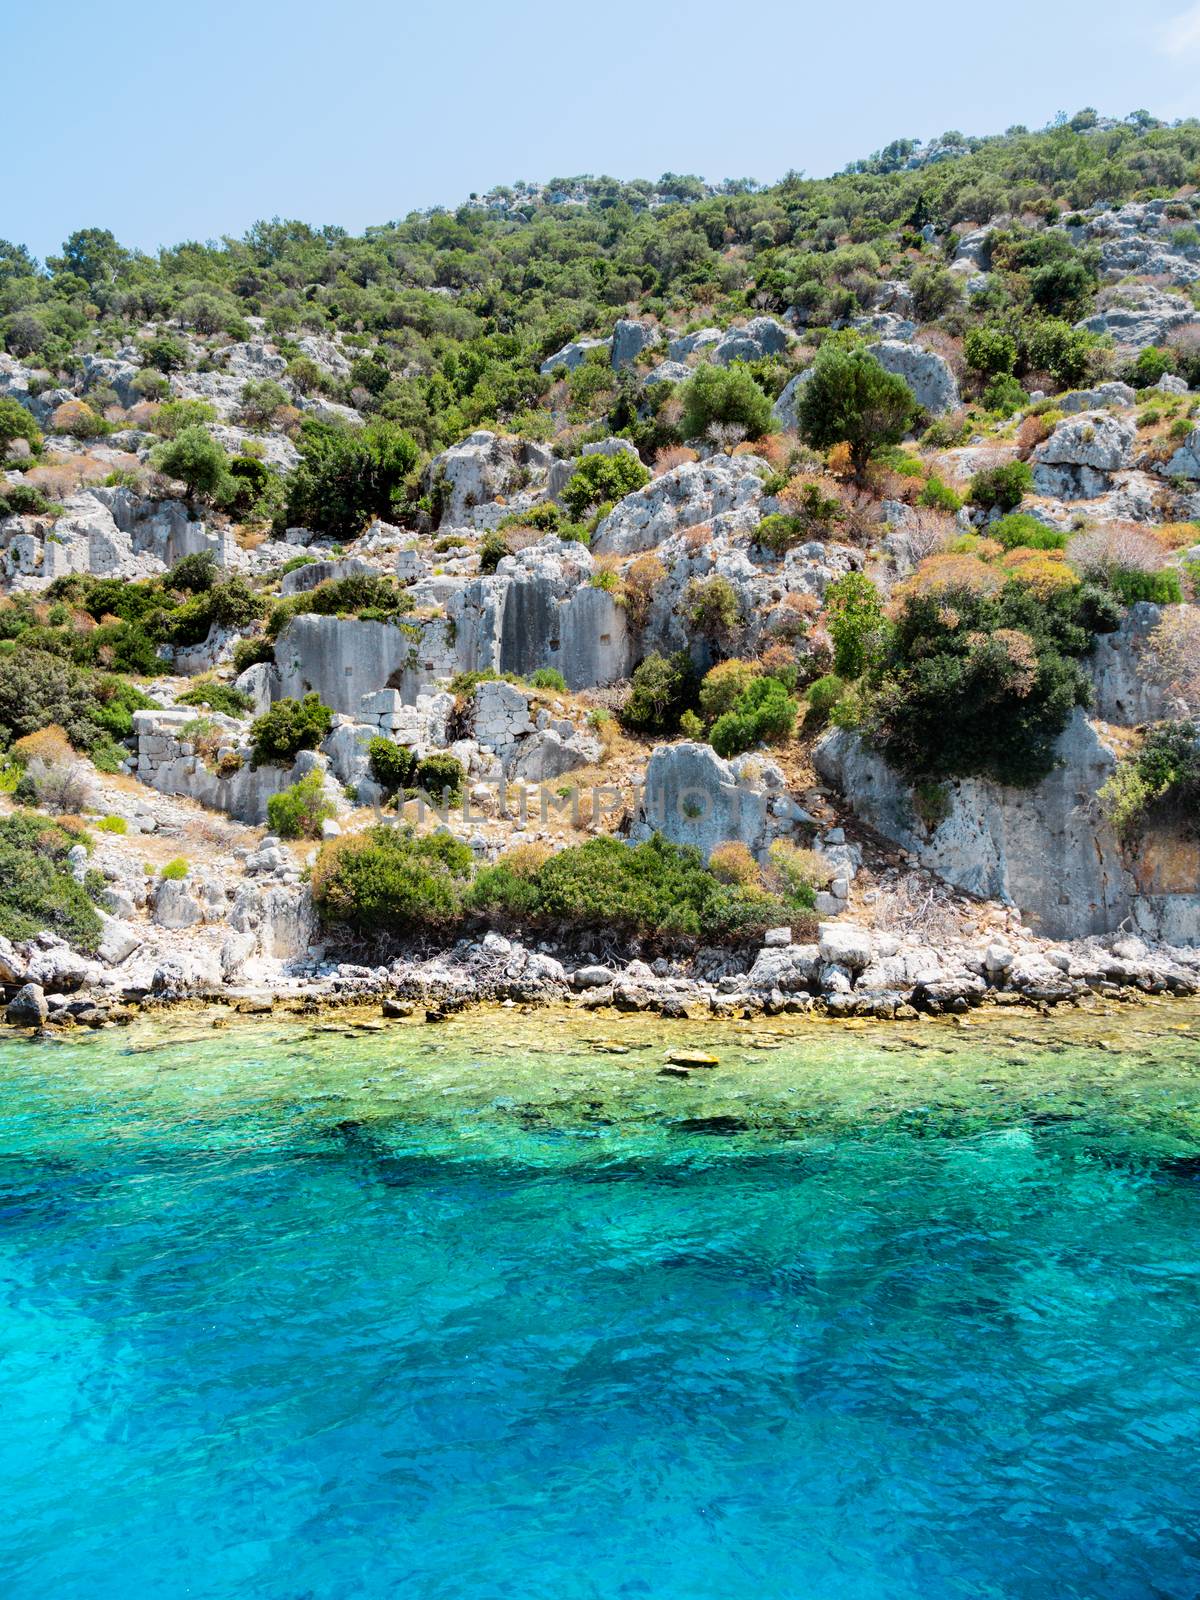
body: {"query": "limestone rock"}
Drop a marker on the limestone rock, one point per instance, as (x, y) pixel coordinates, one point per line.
(27, 1008)
(629, 340)
(927, 375)
(574, 354)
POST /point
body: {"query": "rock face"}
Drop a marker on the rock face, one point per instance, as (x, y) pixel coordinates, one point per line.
(1139, 239)
(1185, 463)
(344, 658)
(1078, 459)
(482, 468)
(784, 409)
(692, 796)
(1104, 394)
(1045, 850)
(689, 343)
(540, 609)
(629, 340)
(926, 374)
(1138, 315)
(1124, 693)
(686, 496)
(573, 355)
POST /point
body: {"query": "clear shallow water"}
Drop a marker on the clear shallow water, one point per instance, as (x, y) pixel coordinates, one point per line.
(485, 1310)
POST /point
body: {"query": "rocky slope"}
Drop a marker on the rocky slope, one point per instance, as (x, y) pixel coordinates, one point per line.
(520, 610)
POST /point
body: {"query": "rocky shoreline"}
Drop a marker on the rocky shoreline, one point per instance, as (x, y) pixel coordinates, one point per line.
(849, 971)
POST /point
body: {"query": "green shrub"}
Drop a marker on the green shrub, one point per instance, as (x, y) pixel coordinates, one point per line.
(230, 603)
(821, 697)
(852, 399)
(440, 776)
(1131, 585)
(38, 892)
(175, 869)
(361, 594)
(493, 548)
(1158, 783)
(17, 423)
(196, 458)
(711, 606)
(654, 890)
(723, 685)
(25, 500)
(1003, 487)
(599, 479)
(392, 881)
(990, 351)
(38, 689)
(982, 685)
(1018, 530)
(548, 678)
(174, 416)
(661, 689)
(113, 824)
(299, 811)
(763, 712)
(1004, 395)
(346, 476)
(220, 697)
(261, 399)
(854, 617)
(939, 496)
(724, 395)
(391, 764)
(252, 652)
(279, 735)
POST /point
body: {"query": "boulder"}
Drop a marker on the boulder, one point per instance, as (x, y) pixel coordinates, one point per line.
(784, 409)
(668, 372)
(484, 467)
(844, 944)
(1185, 463)
(573, 355)
(27, 1008)
(691, 796)
(1139, 314)
(1078, 460)
(629, 340)
(679, 349)
(927, 375)
(1104, 394)
(762, 336)
(685, 496)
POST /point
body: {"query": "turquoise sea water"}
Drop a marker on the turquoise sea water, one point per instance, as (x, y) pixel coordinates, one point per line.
(494, 1310)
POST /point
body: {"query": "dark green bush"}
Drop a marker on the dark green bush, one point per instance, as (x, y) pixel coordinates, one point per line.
(37, 890)
(392, 881)
(279, 735)
(196, 458)
(230, 603)
(982, 685)
(252, 652)
(347, 476)
(654, 890)
(599, 480)
(391, 764)
(1003, 487)
(724, 395)
(763, 713)
(440, 776)
(662, 688)
(850, 398)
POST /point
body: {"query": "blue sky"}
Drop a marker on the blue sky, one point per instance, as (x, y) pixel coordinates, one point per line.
(168, 122)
